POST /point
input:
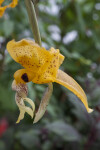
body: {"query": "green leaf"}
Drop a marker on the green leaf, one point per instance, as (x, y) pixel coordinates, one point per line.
(8, 27)
(29, 138)
(2, 145)
(7, 99)
(64, 130)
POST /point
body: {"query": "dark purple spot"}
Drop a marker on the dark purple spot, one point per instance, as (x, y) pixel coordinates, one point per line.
(25, 77)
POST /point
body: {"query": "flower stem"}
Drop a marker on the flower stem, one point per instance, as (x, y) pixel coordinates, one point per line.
(33, 20)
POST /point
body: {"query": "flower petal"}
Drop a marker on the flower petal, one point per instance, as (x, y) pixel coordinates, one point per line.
(23, 108)
(68, 82)
(30, 102)
(28, 54)
(44, 103)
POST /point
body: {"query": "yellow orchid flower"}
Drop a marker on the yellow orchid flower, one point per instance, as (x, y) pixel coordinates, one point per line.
(42, 66)
(3, 8)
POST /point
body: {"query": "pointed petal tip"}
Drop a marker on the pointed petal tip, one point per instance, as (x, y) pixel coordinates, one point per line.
(90, 110)
(17, 122)
(68, 82)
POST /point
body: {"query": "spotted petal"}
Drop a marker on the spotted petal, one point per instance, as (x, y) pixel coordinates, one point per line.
(44, 64)
(28, 54)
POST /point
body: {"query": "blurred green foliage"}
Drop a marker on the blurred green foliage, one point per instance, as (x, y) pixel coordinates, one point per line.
(73, 26)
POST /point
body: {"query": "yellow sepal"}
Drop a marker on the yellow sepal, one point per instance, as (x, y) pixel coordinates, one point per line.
(68, 82)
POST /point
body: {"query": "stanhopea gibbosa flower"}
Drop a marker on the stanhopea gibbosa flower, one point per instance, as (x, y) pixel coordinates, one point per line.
(41, 66)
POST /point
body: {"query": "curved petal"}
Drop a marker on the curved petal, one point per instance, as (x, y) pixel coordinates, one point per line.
(30, 102)
(23, 108)
(68, 82)
(44, 103)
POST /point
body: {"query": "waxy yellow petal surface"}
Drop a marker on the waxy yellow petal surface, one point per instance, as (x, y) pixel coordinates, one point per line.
(68, 82)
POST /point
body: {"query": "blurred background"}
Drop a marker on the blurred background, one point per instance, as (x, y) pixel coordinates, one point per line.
(73, 26)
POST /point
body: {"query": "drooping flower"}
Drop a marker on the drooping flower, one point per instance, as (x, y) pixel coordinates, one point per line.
(3, 8)
(42, 66)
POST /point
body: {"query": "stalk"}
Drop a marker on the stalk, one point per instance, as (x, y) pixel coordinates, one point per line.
(33, 20)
